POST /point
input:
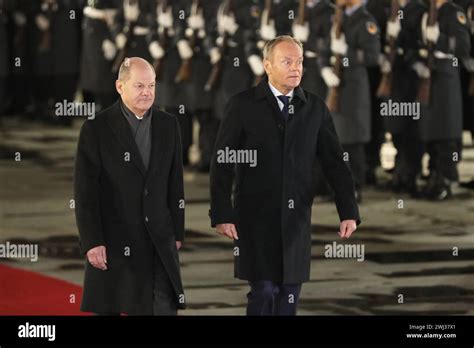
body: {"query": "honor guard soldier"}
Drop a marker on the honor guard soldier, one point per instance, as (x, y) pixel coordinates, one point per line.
(355, 48)
(56, 44)
(313, 30)
(22, 57)
(403, 88)
(173, 68)
(380, 9)
(200, 29)
(238, 57)
(4, 52)
(312, 26)
(446, 36)
(132, 30)
(98, 52)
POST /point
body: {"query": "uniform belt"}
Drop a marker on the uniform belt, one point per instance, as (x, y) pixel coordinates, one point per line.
(310, 54)
(232, 43)
(138, 30)
(94, 13)
(442, 55)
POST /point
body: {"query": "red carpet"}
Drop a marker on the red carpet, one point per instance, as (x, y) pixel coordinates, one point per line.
(29, 293)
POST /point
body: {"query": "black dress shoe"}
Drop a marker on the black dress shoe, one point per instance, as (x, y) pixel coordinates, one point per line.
(440, 191)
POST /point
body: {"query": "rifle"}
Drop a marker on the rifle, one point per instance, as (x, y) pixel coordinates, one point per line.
(268, 10)
(128, 31)
(385, 87)
(163, 41)
(217, 67)
(184, 72)
(301, 15)
(332, 99)
(424, 88)
(470, 11)
(48, 6)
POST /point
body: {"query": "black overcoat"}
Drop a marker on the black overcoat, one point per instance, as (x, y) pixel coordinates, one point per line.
(272, 201)
(135, 213)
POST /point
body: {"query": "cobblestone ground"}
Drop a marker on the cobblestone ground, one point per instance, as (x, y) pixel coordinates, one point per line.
(421, 250)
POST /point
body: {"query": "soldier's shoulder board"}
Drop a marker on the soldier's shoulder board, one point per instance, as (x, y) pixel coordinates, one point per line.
(461, 17)
(372, 28)
(255, 11)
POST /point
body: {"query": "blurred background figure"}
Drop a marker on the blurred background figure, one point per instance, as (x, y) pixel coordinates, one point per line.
(98, 52)
(55, 45)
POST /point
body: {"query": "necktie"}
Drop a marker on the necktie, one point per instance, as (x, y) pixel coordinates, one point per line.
(286, 103)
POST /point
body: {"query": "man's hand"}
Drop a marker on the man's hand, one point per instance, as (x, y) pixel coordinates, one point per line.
(227, 230)
(179, 244)
(97, 257)
(347, 227)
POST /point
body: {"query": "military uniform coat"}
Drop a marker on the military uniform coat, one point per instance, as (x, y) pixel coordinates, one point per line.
(443, 118)
(353, 121)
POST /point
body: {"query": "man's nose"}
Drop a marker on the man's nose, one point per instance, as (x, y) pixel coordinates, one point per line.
(147, 90)
(295, 67)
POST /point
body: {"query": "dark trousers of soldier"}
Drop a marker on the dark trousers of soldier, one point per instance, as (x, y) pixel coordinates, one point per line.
(208, 127)
(185, 121)
(164, 302)
(21, 93)
(3, 80)
(408, 159)
(357, 163)
(443, 164)
(378, 135)
(52, 89)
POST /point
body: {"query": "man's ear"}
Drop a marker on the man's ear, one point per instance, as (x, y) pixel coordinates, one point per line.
(119, 86)
(267, 65)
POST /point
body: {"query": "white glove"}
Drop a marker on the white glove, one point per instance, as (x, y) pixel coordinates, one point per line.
(165, 19)
(338, 46)
(330, 77)
(19, 19)
(131, 12)
(196, 22)
(268, 31)
(429, 33)
(432, 33)
(120, 41)
(385, 66)
(256, 65)
(184, 50)
(42, 22)
(229, 24)
(393, 28)
(109, 49)
(301, 32)
(156, 51)
(421, 70)
(214, 55)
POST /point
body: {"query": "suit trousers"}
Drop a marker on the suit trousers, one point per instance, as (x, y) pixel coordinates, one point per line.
(270, 298)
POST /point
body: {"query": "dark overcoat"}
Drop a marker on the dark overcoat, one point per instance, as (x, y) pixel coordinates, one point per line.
(272, 200)
(135, 213)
